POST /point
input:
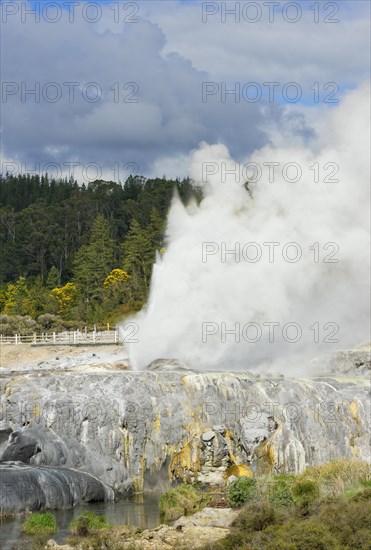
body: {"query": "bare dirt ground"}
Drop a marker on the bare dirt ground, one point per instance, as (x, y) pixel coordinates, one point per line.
(24, 357)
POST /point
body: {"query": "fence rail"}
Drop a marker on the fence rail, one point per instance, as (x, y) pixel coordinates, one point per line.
(71, 338)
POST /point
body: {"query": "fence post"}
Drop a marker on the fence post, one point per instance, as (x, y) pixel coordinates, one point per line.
(16, 339)
(116, 337)
(34, 338)
(53, 337)
(74, 337)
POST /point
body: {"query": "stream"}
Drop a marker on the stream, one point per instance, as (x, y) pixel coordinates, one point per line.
(139, 511)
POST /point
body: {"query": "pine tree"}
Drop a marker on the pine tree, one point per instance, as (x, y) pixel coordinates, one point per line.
(53, 279)
(94, 261)
(38, 297)
(139, 254)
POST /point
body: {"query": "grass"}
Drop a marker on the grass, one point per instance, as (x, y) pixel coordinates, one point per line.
(336, 523)
(40, 524)
(182, 501)
(85, 524)
(338, 475)
(327, 507)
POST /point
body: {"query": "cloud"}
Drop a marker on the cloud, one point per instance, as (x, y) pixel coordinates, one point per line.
(148, 104)
(237, 50)
(163, 61)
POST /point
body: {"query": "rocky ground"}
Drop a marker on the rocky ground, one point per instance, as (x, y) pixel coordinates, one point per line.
(25, 358)
(83, 408)
(188, 533)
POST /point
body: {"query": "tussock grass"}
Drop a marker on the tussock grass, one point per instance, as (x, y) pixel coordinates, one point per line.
(40, 524)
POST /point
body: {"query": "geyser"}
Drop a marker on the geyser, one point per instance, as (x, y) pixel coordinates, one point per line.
(270, 272)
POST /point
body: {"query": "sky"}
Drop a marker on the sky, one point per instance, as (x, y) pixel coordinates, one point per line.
(124, 88)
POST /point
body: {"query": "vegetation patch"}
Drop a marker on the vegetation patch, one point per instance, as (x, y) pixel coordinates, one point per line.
(40, 524)
(182, 501)
(280, 490)
(294, 514)
(87, 523)
(338, 475)
(242, 490)
(95, 264)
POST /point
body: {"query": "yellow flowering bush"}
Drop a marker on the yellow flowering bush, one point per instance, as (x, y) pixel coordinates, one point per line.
(64, 295)
(117, 277)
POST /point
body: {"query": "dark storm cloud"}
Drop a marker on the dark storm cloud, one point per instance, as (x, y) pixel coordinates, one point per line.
(149, 77)
(147, 104)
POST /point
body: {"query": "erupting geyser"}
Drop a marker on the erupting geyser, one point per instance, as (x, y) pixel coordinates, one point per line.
(274, 272)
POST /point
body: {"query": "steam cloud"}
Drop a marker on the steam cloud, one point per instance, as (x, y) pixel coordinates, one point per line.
(187, 292)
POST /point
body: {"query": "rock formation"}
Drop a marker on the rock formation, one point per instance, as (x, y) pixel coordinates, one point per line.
(132, 430)
(39, 488)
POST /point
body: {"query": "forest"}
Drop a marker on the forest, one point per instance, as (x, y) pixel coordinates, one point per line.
(81, 253)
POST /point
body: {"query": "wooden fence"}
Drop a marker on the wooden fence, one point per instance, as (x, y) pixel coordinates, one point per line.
(70, 338)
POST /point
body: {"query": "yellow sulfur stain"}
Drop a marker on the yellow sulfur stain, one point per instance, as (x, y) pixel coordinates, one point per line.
(353, 409)
(157, 423)
(228, 438)
(241, 470)
(265, 453)
(37, 410)
(271, 454)
(184, 462)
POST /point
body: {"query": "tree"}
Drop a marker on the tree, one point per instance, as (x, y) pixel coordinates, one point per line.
(94, 262)
(53, 232)
(137, 261)
(116, 289)
(38, 298)
(53, 279)
(65, 296)
(117, 278)
(17, 298)
(139, 255)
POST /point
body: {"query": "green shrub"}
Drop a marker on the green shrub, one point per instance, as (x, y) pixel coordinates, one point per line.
(280, 493)
(299, 535)
(305, 494)
(363, 493)
(17, 324)
(40, 524)
(336, 476)
(257, 516)
(242, 490)
(330, 523)
(85, 524)
(181, 501)
(346, 520)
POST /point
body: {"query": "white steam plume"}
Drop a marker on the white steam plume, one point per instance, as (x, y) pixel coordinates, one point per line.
(188, 292)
